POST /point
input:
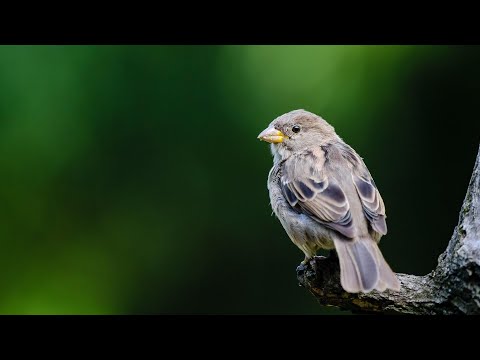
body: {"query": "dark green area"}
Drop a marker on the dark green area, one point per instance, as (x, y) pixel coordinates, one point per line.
(132, 180)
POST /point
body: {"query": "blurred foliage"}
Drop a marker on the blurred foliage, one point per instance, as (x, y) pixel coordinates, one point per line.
(132, 180)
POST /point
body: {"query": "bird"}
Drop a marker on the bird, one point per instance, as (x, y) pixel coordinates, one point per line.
(325, 198)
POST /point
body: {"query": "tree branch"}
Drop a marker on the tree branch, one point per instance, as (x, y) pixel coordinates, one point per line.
(452, 288)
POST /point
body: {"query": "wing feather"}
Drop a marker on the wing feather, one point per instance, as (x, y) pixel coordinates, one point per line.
(372, 202)
(306, 187)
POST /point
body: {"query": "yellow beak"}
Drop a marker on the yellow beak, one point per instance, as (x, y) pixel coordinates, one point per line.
(272, 135)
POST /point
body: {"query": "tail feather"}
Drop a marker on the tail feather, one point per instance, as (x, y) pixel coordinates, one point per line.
(362, 266)
(388, 280)
(347, 266)
(365, 263)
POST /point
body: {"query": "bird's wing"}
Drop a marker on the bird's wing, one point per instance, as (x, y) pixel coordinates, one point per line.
(308, 188)
(372, 202)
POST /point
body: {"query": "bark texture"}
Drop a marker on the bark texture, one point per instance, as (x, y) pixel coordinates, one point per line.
(452, 288)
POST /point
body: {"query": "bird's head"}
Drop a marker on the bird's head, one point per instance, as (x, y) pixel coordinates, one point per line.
(296, 131)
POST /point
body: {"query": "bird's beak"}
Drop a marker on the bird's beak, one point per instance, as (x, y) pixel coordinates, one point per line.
(272, 135)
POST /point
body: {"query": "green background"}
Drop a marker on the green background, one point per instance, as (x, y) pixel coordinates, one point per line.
(132, 181)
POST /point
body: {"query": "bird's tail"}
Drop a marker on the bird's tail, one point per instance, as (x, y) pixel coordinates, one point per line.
(362, 266)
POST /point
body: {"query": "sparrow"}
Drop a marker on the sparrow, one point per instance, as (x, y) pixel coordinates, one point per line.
(325, 198)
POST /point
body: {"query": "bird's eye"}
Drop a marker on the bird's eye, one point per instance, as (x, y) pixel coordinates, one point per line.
(296, 128)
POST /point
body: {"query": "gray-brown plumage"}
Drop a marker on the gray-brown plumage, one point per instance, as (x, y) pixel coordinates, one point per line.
(324, 196)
